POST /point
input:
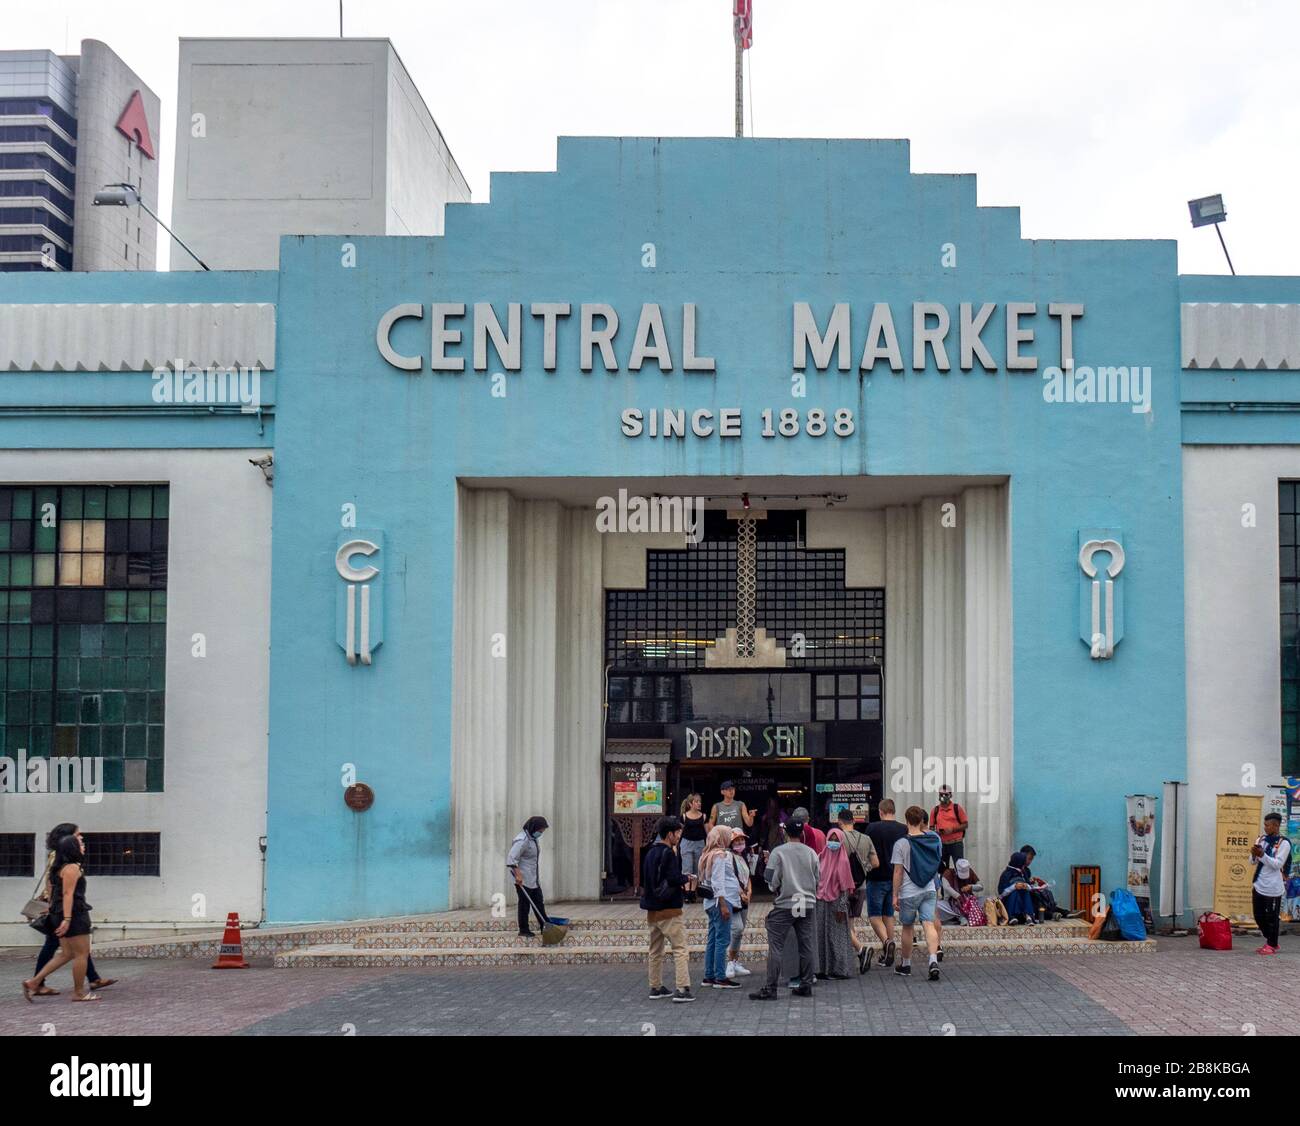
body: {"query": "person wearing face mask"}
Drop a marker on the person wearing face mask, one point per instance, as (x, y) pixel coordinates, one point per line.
(739, 918)
(949, 820)
(835, 957)
(524, 864)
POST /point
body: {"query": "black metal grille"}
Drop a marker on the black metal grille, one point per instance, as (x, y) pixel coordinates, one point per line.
(1288, 506)
(690, 601)
(123, 854)
(17, 854)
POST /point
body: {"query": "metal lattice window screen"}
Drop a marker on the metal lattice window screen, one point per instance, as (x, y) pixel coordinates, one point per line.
(1288, 507)
(690, 601)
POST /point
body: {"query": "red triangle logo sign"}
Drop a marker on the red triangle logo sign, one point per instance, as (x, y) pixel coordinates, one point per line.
(133, 125)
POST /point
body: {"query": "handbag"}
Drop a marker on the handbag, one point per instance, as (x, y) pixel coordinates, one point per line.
(1215, 931)
(36, 910)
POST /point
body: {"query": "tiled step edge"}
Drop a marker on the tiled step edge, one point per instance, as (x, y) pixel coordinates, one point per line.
(342, 955)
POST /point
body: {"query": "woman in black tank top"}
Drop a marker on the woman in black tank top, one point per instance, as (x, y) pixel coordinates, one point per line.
(69, 918)
(695, 827)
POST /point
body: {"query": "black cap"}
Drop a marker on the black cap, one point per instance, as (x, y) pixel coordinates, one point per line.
(794, 827)
(727, 785)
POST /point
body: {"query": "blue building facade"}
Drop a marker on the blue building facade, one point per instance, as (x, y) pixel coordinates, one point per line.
(446, 414)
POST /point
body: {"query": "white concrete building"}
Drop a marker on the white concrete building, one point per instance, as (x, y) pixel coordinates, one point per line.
(302, 136)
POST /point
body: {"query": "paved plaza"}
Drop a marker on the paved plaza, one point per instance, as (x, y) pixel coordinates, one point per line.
(1178, 989)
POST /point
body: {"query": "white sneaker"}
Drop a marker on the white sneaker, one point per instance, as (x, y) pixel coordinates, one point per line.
(735, 969)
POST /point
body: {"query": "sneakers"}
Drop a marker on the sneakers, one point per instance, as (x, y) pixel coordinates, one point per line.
(934, 971)
(804, 990)
(683, 996)
(708, 983)
(725, 983)
(864, 960)
(939, 953)
(659, 992)
(902, 970)
(887, 956)
(735, 969)
(767, 993)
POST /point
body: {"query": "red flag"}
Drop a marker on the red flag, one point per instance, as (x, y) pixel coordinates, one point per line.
(743, 14)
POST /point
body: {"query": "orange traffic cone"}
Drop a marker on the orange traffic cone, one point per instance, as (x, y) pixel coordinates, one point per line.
(232, 946)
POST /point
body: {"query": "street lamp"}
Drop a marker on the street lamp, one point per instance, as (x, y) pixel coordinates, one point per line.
(125, 195)
(1209, 209)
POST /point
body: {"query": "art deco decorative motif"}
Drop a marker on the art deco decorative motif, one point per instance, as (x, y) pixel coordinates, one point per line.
(359, 619)
(745, 646)
(1101, 610)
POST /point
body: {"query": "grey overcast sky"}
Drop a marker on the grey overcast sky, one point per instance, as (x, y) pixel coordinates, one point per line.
(1099, 119)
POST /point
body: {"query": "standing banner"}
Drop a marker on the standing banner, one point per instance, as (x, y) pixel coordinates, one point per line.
(1236, 828)
(1292, 904)
(1173, 832)
(1141, 841)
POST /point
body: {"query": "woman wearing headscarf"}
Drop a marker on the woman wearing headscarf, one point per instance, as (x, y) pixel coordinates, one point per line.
(69, 918)
(717, 873)
(524, 863)
(833, 945)
(739, 918)
(1013, 889)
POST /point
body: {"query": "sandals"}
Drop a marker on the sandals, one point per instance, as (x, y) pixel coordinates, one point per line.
(45, 991)
(90, 996)
(103, 983)
(28, 993)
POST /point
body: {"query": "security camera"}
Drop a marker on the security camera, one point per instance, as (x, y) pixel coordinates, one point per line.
(266, 465)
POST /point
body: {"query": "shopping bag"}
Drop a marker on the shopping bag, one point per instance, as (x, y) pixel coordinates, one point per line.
(1215, 931)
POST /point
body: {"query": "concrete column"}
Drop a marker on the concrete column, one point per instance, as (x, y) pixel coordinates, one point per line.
(480, 730)
(903, 669)
(988, 742)
(531, 663)
(580, 692)
(942, 632)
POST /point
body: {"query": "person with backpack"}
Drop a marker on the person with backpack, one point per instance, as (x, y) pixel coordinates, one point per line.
(884, 834)
(916, 861)
(863, 860)
(662, 884)
(949, 820)
(1272, 856)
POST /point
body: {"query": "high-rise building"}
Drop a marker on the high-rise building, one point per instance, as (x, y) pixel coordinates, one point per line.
(302, 137)
(69, 124)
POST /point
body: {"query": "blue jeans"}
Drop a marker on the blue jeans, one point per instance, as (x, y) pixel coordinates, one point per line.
(715, 948)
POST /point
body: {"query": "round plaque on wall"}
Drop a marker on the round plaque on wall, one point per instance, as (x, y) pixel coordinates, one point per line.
(359, 797)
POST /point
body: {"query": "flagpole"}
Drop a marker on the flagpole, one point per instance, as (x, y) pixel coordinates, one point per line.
(740, 90)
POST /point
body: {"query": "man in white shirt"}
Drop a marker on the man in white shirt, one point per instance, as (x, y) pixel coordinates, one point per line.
(1272, 856)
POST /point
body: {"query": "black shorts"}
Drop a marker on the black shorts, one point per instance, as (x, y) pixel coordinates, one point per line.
(80, 924)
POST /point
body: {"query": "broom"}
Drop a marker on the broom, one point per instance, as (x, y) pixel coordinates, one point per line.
(552, 934)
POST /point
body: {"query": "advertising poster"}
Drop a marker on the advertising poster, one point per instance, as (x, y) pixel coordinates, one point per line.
(1236, 827)
(636, 789)
(1141, 844)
